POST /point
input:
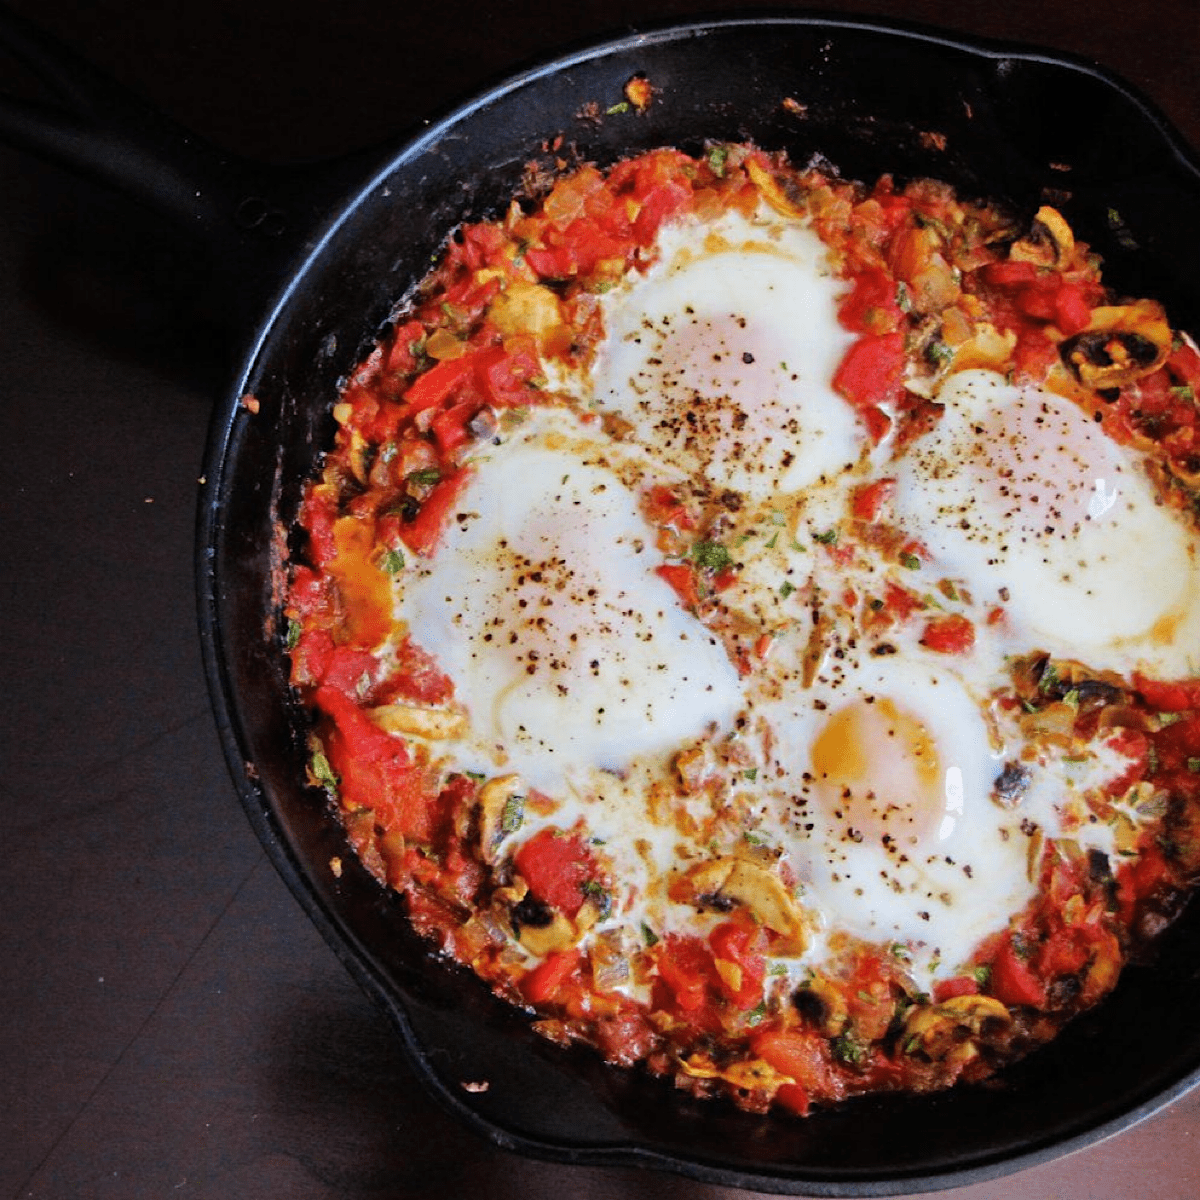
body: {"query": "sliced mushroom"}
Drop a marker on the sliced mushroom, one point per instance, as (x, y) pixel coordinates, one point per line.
(1122, 343)
(1049, 242)
(497, 799)
(434, 724)
(941, 1030)
(724, 882)
(541, 940)
(825, 1004)
(771, 191)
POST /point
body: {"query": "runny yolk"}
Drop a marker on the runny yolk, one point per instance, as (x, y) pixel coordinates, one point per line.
(877, 773)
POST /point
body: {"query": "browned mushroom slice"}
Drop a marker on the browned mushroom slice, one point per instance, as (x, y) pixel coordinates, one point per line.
(1122, 343)
(1049, 242)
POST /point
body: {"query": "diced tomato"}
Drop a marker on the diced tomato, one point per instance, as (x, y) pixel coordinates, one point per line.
(1140, 879)
(375, 770)
(663, 507)
(1167, 697)
(683, 579)
(960, 985)
(551, 262)
(544, 981)
(422, 534)
(870, 499)
(1011, 273)
(1072, 312)
(666, 200)
(871, 307)
(310, 656)
(556, 865)
(401, 359)
(801, 1055)
(506, 375)
(349, 670)
(738, 948)
(416, 677)
(1065, 952)
(449, 427)
(437, 384)
(686, 967)
(1012, 981)
(872, 371)
(899, 602)
(951, 634)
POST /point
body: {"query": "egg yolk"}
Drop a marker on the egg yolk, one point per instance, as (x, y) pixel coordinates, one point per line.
(877, 772)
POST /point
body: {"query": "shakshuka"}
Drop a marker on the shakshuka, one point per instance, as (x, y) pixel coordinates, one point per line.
(754, 620)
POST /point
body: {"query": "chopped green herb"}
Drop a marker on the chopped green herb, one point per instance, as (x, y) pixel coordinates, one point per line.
(711, 556)
(1193, 765)
(426, 477)
(512, 815)
(911, 561)
(757, 1013)
(393, 561)
(982, 975)
(786, 589)
(599, 894)
(750, 774)
(322, 773)
(773, 539)
(622, 107)
(649, 935)
(828, 538)
(718, 156)
(937, 352)
(901, 952)
(848, 1049)
(293, 634)
(1184, 392)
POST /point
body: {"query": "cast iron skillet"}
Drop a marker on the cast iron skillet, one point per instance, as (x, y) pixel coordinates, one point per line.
(344, 244)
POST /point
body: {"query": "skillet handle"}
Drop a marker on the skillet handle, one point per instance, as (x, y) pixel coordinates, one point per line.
(253, 220)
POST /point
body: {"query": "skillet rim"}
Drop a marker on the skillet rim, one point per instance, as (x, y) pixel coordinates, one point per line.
(230, 417)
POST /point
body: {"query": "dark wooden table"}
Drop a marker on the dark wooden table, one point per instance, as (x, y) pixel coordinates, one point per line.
(170, 1024)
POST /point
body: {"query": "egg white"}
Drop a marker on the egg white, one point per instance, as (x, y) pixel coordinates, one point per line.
(544, 609)
(1020, 495)
(721, 356)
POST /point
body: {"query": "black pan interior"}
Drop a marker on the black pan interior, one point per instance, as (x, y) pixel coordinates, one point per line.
(995, 122)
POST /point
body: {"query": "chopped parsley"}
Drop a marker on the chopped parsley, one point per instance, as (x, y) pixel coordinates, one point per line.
(711, 556)
(293, 634)
(718, 156)
(393, 561)
(426, 477)
(320, 770)
(512, 815)
(599, 895)
(909, 560)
